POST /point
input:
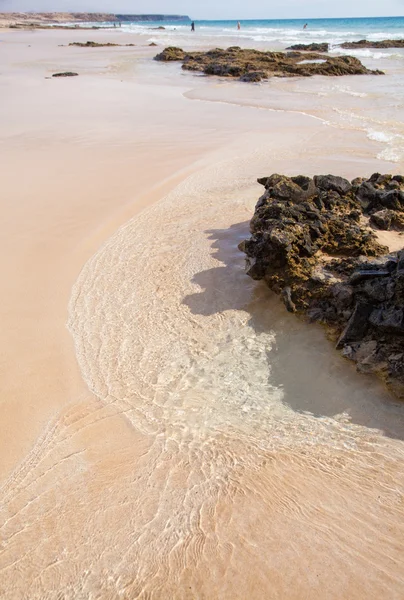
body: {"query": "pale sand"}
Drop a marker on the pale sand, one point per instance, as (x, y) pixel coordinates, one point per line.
(179, 478)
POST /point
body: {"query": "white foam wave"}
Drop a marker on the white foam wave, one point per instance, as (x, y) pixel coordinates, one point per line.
(394, 155)
(311, 62)
(211, 34)
(365, 53)
(385, 35)
(380, 136)
(395, 145)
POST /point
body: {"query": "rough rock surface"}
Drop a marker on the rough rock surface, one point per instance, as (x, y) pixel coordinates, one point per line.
(97, 44)
(323, 47)
(171, 53)
(66, 74)
(312, 243)
(254, 65)
(369, 44)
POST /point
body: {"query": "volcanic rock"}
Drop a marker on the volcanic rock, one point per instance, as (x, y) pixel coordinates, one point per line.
(97, 44)
(171, 53)
(312, 243)
(370, 44)
(324, 47)
(66, 74)
(254, 65)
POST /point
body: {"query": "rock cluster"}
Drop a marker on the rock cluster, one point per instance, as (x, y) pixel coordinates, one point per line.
(254, 65)
(97, 44)
(313, 244)
(322, 47)
(171, 54)
(370, 44)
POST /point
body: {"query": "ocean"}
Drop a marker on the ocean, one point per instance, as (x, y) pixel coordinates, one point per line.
(280, 31)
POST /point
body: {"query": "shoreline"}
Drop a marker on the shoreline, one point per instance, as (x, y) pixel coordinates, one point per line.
(136, 197)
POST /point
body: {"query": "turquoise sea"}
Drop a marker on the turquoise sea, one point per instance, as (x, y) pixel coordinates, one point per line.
(287, 31)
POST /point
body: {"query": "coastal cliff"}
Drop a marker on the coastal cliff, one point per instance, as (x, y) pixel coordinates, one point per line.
(39, 18)
(314, 242)
(153, 18)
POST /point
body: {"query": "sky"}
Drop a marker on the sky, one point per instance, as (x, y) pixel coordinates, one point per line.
(220, 9)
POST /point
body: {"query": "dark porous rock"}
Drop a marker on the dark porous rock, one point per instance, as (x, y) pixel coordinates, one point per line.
(92, 44)
(388, 219)
(357, 326)
(97, 44)
(382, 219)
(330, 182)
(370, 44)
(312, 242)
(171, 54)
(255, 65)
(253, 76)
(310, 47)
(382, 197)
(66, 74)
(390, 319)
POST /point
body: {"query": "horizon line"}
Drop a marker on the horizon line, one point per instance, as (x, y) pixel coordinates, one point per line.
(94, 12)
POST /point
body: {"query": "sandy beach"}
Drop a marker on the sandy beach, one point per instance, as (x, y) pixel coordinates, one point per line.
(167, 430)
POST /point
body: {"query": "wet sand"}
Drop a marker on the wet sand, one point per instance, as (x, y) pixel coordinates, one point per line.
(184, 438)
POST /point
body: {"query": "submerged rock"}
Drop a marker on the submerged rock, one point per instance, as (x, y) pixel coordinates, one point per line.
(313, 244)
(254, 65)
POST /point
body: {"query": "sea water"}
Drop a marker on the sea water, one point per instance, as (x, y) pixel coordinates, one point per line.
(278, 31)
(371, 104)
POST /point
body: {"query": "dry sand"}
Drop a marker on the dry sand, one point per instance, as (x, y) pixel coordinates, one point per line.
(224, 450)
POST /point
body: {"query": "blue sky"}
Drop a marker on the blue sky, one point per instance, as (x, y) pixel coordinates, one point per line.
(225, 9)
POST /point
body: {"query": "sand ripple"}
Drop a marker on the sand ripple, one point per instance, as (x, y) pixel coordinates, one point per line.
(230, 453)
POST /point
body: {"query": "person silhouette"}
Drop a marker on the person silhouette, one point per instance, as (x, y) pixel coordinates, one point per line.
(238, 25)
(305, 26)
(193, 26)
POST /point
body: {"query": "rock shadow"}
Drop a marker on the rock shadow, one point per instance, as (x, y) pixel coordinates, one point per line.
(302, 362)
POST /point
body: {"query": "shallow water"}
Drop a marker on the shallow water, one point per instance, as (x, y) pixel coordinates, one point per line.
(266, 446)
(228, 451)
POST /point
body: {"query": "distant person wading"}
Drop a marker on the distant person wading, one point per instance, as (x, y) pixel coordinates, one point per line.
(192, 26)
(238, 25)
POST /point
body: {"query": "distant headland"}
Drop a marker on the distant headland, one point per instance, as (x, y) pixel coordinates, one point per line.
(55, 18)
